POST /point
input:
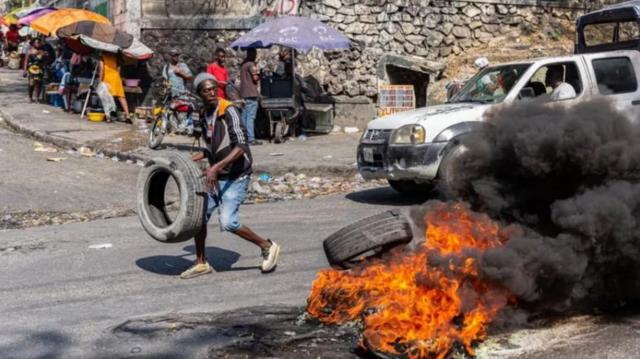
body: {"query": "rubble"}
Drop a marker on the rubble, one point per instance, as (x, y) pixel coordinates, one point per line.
(21, 220)
(291, 186)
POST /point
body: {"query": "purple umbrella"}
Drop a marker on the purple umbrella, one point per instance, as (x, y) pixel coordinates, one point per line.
(300, 33)
(34, 15)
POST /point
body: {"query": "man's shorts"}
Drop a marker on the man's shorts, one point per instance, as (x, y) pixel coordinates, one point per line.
(227, 202)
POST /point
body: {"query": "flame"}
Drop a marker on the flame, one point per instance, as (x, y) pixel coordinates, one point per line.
(419, 303)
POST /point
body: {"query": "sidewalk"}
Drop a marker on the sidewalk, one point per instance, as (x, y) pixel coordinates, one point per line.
(334, 154)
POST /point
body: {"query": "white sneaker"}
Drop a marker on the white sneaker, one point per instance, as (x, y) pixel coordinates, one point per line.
(270, 257)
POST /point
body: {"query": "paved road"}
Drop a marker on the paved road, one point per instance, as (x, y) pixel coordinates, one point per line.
(59, 296)
(29, 182)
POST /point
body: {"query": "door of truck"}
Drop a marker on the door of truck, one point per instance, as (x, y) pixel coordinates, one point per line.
(615, 76)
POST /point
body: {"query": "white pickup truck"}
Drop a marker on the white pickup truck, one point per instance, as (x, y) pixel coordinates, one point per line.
(415, 150)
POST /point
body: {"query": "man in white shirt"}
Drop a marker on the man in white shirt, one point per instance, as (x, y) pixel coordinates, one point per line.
(555, 80)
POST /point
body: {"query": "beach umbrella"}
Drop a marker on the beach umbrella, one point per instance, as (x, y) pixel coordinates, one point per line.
(87, 31)
(83, 36)
(28, 10)
(28, 19)
(138, 51)
(10, 19)
(49, 24)
(297, 32)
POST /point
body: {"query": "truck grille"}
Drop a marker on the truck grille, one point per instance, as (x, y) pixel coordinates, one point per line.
(376, 136)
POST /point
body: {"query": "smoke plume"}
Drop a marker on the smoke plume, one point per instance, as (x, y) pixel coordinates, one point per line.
(568, 176)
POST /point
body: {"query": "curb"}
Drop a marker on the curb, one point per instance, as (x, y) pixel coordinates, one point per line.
(67, 144)
(124, 156)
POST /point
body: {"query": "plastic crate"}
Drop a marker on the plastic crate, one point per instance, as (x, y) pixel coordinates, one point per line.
(395, 98)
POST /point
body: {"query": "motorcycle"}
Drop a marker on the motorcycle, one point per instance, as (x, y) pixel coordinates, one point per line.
(175, 114)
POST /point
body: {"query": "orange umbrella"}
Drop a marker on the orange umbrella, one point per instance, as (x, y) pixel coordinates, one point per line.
(50, 23)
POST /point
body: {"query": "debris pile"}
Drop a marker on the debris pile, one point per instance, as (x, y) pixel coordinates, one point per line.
(265, 188)
(21, 220)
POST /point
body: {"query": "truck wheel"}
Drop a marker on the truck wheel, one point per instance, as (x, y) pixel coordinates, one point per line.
(154, 210)
(367, 237)
(411, 187)
(450, 174)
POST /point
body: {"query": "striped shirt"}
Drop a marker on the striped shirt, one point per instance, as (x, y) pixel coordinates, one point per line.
(223, 131)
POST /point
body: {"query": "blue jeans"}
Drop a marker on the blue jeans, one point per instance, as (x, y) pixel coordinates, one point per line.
(249, 116)
(227, 202)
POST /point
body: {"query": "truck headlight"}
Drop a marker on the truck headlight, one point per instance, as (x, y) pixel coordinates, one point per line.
(408, 135)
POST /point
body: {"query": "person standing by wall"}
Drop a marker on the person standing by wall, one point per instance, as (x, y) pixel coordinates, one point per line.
(249, 82)
(219, 71)
(177, 73)
(109, 73)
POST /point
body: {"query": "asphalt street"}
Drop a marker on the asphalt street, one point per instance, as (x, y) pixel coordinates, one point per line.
(67, 290)
(76, 183)
(61, 296)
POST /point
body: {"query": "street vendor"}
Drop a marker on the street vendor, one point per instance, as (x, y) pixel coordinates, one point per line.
(34, 69)
(109, 73)
(12, 38)
(228, 175)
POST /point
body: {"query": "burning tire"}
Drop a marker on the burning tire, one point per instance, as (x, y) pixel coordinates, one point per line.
(158, 215)
(367, 237)
(451, 181)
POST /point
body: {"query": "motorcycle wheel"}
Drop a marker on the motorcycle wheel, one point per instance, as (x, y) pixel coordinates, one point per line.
(280, 131)
(157, 131)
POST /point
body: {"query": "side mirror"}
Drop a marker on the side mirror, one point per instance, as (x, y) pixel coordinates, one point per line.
(527, 92)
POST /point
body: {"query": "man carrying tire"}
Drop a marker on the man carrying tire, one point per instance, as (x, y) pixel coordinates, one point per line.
(228, 175)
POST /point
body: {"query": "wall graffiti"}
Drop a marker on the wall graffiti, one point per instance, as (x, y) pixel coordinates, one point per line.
(219, 8)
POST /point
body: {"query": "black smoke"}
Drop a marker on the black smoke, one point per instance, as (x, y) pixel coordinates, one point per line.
(569, 177)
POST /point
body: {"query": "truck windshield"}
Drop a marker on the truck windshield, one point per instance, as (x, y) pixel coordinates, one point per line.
(490, 85)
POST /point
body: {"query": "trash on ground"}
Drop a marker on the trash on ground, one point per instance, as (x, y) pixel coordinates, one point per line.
(46, 111)
(39, 147)
(327, 157)
(264, 177)
(115, 159)
(292, 186)
(101, 246)
(276, 154)
(351, 130)
(117, 140)
(86, 151)
(56, 159)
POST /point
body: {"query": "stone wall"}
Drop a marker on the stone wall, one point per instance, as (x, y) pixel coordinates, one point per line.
(437, 30)
(432, 29)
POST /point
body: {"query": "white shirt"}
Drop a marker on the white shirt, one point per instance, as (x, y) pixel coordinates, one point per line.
(563, 92)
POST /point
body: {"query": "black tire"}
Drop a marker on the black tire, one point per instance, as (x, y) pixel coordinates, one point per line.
(367, 237)
(451, 180)
(411, 187)
(152, 209)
